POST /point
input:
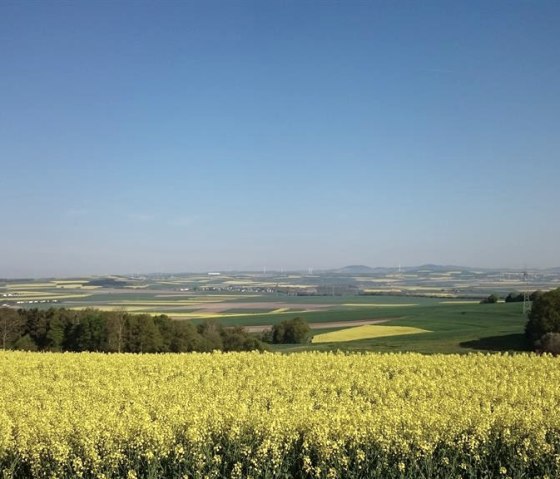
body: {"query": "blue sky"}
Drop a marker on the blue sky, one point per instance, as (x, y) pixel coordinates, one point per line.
(190, 136)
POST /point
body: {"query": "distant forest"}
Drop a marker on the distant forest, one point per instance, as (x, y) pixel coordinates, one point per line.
(60, 329)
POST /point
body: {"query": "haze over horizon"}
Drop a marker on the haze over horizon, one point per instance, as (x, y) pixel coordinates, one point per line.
(198, 136)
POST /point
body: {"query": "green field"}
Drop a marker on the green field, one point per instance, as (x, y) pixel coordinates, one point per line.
(453, 329)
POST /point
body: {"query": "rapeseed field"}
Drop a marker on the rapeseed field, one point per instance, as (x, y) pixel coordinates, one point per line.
(263, 415)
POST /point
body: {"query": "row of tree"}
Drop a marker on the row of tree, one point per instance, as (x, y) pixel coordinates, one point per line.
(514, 297)
(59, 329)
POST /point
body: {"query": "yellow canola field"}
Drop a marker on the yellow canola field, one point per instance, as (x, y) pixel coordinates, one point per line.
(252, 415)
(367, 331)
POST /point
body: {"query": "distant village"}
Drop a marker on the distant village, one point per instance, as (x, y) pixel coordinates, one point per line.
(28, 301)
(328, 290)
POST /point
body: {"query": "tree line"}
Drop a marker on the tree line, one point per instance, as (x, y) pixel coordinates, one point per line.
(513, 297)
(60, 329)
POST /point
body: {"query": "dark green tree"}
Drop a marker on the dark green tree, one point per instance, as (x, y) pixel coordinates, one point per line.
(211, 336)
(143, 336)
(544, 316)
(535, 294)
(25, 343)
(278, 332)
(291, 331)
(11, 327)
(60, 329)
(37, 326)
(166, 330)
(55, 335)
(116, 330)
(515, 297)
(492, 299)
(185, 337)
(93, 334)
(238, 339)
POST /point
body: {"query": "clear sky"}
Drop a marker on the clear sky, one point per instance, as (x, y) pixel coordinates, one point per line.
(177, 136)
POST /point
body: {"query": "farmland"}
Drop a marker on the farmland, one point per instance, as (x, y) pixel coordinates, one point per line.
(367, 331)
(324, 410)
(445, 303)
(305, 415)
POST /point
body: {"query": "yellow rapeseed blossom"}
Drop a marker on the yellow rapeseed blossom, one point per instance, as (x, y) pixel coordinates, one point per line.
(253, 415)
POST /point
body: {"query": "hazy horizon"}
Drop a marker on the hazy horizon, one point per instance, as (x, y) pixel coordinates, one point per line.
(200, 136)
(274, 271)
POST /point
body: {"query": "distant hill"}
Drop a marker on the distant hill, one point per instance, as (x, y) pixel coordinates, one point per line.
(356, 269)
(362, 269)
(437, 268)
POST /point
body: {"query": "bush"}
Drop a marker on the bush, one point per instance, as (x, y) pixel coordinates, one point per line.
(25, 343)
(515, 298)
(266, 336)
(492, 299)
(545, 315)
(291, 331)
(216, 337)
(549, 343)
(238, 339)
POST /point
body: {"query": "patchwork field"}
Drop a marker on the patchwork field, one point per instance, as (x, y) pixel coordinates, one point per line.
(457, 323)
